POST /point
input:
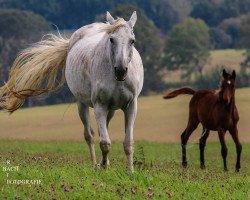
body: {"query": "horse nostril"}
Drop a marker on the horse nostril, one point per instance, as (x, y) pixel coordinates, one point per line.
(126, 69)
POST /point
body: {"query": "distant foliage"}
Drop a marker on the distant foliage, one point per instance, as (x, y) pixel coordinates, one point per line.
(187, 48)
(219, 39)
(224, 19)
(17, 30)
(245, 42)
(72, 14)
(208, 11)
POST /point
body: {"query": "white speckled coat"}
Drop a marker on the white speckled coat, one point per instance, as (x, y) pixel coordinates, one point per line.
(105, 71)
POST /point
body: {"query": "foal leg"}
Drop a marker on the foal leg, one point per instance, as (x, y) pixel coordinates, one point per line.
(83, 111)
(223, 148)
(202, 145)
(192, 125)
(234, 133)
(128, 144)
(101, 114)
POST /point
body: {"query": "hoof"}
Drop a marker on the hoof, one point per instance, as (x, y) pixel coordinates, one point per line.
(184, 164)
(97, 167)
(225, 169)
(103, 164)
(202, 167)
(237, 169)
(130, 169)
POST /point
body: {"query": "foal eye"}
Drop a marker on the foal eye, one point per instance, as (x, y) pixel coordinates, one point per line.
(111, 40)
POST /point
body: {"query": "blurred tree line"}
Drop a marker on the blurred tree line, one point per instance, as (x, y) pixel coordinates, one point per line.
(170, 34)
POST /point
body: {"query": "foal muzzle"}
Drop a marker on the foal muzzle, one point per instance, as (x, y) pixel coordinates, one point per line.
(121, 73)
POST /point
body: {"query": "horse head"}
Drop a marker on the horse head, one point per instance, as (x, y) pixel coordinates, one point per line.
(228, 86)
(120, 47)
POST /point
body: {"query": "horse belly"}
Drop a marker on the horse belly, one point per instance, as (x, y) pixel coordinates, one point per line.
(215, 119)
(78, 80)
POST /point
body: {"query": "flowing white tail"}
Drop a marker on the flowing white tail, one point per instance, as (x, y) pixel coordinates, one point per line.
(35, 72)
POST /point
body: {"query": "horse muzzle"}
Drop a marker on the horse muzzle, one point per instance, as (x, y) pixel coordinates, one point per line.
(121, 73)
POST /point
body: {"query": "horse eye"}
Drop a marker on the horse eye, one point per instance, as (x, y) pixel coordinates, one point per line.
(132, 41)
(111, 40)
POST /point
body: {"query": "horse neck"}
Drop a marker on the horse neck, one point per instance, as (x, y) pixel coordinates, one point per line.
(231, 106)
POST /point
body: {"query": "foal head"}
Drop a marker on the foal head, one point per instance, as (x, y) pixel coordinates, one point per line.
(121, 42)
(227, 86)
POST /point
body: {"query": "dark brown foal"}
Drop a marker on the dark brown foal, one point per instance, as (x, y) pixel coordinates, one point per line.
(216, 111)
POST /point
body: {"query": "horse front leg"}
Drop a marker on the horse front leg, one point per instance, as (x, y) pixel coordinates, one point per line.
(234, 134)
(101, 113)
(128, 144)
(223, 148)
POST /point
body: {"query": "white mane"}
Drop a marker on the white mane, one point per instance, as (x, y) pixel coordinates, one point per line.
(93, 29)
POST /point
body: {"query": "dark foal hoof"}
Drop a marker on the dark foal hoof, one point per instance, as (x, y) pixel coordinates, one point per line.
(184, 164)
(202, 167)
(237, 169)
(225, 169)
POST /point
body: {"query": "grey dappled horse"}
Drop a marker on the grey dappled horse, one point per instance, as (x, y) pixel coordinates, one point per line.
(102, 68)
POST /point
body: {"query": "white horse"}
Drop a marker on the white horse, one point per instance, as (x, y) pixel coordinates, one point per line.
(102, 68)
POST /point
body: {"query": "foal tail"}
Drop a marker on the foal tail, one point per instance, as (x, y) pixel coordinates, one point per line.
(35, 72)
(175, 93)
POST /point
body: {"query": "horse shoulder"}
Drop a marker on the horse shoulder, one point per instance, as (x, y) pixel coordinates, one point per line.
(137, 70)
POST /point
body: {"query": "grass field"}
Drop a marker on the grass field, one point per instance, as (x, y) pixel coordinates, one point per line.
(65, 172)
(157, 120)
(47, 145)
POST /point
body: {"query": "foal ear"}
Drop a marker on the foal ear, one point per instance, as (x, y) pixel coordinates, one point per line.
(233, 74)
(132, 19)
(109, 18)
(224, 73)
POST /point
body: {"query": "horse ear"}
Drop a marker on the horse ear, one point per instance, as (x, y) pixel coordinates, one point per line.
(109, 18)
(132, 19)
(224, 73)
(233, 74)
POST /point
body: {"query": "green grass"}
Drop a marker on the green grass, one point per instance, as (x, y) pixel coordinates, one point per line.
(61, 164)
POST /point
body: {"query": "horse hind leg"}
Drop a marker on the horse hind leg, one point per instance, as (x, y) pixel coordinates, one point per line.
(83, 111)
(202, 145)
(192, 125)
(110, 116)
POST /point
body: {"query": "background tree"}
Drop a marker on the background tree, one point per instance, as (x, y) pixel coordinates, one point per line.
(232, 27)
(245, 42)
(208, 11)
(187, 48)
(72, 14)
(17, 30)
(149, 45)
(219, 39)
